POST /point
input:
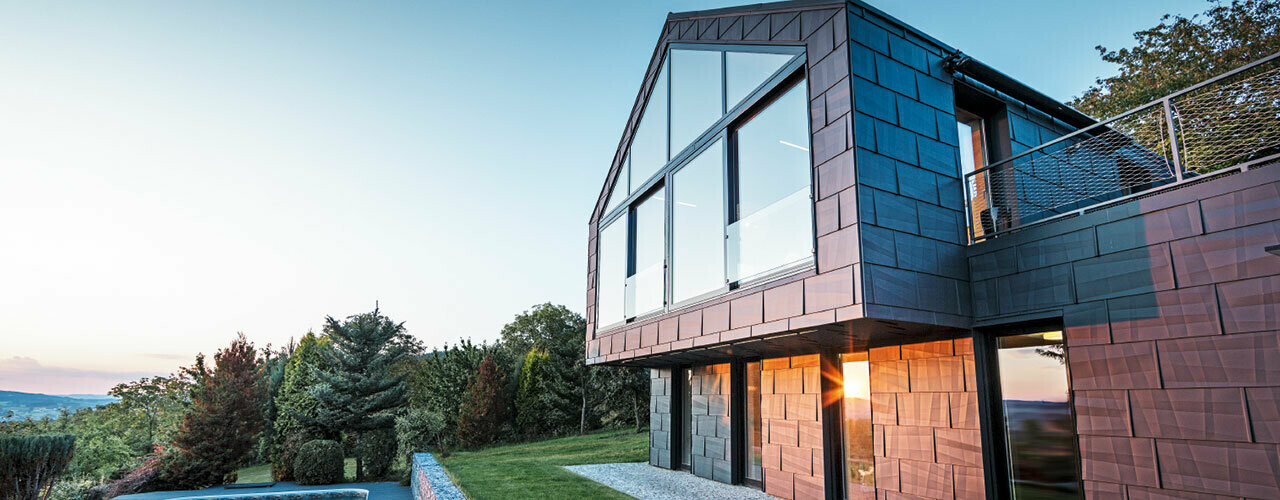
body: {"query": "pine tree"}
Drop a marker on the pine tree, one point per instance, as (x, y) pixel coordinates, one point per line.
(226, 416)
(359, 388)
(482, 411)
(295, 406)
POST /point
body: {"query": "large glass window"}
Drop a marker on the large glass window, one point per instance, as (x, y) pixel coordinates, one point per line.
(645, 289)
(696, 99)
(859, 454)
(745, 71)
(1039, 431)
(774, 224)
(649, 147)
(697, 226)
(687, 216)
(611, 272)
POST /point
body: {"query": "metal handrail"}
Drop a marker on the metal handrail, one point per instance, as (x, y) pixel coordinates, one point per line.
(1119, 149)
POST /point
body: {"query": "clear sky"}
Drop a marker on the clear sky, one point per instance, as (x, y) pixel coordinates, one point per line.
(174, 172)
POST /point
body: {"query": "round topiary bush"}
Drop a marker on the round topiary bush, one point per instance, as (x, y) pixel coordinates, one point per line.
(319, 461)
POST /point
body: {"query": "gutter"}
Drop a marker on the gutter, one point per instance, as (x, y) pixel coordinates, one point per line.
(963, 64)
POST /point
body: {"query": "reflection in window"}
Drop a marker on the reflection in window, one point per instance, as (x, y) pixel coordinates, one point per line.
(611, 272)
(649, 148)
(745, 71)
(859, 456)
(619, 191)
(774, 226)
(645, 288)
(696, 102)
(1039, 431)
(755, 462)
(697, 226)
(973, 155)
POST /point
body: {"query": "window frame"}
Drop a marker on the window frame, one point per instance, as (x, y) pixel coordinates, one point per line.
(792, 73)
(991, 414)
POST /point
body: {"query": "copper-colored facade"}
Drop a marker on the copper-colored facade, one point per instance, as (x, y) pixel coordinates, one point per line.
(1168, 305)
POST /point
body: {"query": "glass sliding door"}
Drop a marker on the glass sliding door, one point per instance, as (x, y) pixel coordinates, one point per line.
(1038, 425)
(859, 455)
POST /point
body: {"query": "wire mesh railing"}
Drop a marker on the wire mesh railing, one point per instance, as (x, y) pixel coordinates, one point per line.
(1232, 120)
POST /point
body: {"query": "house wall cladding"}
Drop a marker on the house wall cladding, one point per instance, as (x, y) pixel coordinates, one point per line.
(1171, 309)
(711, 452)
(909, 192)
(823, 295)
(660, 394)
(791, 435)
(924, 411)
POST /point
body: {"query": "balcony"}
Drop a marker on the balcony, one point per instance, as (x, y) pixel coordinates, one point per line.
(1225, 124)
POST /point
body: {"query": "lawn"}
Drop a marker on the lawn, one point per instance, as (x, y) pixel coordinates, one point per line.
(533, 470)
(262, 473)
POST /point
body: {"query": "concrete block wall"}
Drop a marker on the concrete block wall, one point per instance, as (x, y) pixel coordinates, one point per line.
(712, 451)
(924, 411)
(790, 391)
(660, 405)
(1171, 307)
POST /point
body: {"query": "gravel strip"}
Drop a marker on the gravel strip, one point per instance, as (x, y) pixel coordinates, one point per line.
(647, 482)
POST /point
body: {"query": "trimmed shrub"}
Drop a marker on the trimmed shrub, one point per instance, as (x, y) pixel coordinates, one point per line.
(30, 465)
(319, 462)
(377, 449)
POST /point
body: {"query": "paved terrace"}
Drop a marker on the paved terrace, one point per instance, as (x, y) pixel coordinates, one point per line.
(647, 482)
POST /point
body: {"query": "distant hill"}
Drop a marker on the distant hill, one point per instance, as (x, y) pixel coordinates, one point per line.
(37, 406)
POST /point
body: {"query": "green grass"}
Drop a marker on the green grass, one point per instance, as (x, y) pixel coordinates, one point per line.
(262, 473)
(533, 470)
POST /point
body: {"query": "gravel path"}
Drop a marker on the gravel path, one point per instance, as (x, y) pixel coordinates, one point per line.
(647, 482)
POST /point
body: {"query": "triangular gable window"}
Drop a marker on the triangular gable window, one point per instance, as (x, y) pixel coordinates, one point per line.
(649, 148)
(746, 71)
(619, 191)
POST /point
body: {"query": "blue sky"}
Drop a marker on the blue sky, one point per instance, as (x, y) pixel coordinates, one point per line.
(174, 172)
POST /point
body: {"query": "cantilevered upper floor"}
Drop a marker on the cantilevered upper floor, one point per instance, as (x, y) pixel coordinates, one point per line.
(802, 174)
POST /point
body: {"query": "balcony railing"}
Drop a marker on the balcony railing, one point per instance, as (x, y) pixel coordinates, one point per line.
(1226, 123)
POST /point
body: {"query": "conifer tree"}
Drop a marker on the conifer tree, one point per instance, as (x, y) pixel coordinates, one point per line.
(295, 406)
(359, 388)
(226, 415)
(482, 410)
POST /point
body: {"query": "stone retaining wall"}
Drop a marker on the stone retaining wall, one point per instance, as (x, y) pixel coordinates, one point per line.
(429, 481)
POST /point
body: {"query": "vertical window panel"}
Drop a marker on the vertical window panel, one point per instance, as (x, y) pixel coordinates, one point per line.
(649, 147)
(611, 273)
(697, 226)
(696, 98)
(755, 427)
(746, 71)
(646, 284)
(619, 191)
(774, 226)
(859, 456)
(1039, 429)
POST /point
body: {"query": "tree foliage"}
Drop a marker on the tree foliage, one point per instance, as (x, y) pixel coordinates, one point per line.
(483, 409)
(295, 406)
(359, 385)
(1182, 51)
(156, 402)
(225, 419)
(30, 465)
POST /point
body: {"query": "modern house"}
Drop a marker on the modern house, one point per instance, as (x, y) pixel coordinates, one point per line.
(860, 264)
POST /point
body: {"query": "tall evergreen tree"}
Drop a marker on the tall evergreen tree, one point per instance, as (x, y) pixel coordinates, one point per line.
(226, 415)
(483, 409)
(295, 406)
(359, 388)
